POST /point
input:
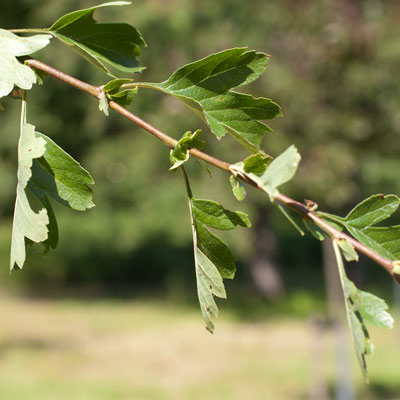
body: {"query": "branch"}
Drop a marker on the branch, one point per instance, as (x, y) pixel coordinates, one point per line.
(171, 143)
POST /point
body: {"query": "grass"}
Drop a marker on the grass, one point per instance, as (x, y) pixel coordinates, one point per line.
(114, 349)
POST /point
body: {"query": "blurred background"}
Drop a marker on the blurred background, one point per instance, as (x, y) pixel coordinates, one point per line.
(113, 312)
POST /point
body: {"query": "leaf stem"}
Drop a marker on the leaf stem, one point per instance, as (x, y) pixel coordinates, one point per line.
(171, 143)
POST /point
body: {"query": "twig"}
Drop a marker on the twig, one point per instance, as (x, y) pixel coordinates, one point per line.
(171, 143)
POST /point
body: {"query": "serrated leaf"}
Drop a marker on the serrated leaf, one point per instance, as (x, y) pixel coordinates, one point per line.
(12, 72)
(361, 307)
(372, 210)
(384, 240)
(213, 258)
(216, 250)
(58, 175)
(180, 153)
(348, 250)
(115, 44)
(209, 284)
(27, 223)
(257, 163)
(212, 214)
(238, 189)
(205, 86)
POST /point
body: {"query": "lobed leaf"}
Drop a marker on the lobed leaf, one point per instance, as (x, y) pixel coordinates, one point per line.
(205, 86)
(359, 222)
(27, 222)
(115, 44)
(12, 72)
(361, 307)
(212, 214)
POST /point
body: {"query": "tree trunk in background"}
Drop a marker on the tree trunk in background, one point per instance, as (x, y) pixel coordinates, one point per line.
(264, 271)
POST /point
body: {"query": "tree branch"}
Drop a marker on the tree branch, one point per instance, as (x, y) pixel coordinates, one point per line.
(171, 143)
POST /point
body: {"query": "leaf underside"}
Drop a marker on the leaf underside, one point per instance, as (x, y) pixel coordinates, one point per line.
(361, 307)
(117, 45)
(12, 72)
(44, 170)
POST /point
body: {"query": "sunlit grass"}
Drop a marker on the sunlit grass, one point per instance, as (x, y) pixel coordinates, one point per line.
(114, 349)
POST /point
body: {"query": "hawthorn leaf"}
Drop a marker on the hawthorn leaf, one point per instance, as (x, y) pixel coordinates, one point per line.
(238, 189)
(372, 210)
(205, 87)
(180, 153)
(214, 215)
(257, 163)
(114, 44)
(27, 223)
(359, 222)
(12, 72)
(123, 97)
(209, 284)
(361, 307)
(58, 175)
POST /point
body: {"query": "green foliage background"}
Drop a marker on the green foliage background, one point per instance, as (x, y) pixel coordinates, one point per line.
(333, 70)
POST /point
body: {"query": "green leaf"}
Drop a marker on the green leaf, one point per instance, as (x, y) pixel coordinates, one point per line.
(27, 223)
(314, 229)
(238, 189)
(12, 71)
(257, 163)
(216, 250)
(209, 284)
(58, 175)
(359, 222)
(212, 214)
(115, 44)
(283, 210)
(280, 171)
(372, 210)
(205, 86)
(180, 153)
(213, 258)
(348, 250)
(123, 97)
(361, 307)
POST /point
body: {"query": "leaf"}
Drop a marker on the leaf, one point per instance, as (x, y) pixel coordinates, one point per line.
(180, 153)
(57, 174)
(115, 44)
(213, 258)
(361, 307)
(27, 223)
(124, 97)
(44, 170)
(280, 171)
(348, 250)
(205, 87)
(238, 189)
(209, 283)
(282, 209)
(257, 163)
(384, 240)
(12, 71)
(314, 229)
(214, 215)
(103, 103)
(372, 210)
